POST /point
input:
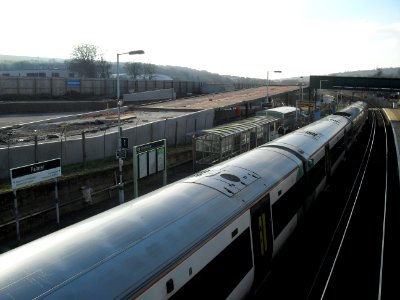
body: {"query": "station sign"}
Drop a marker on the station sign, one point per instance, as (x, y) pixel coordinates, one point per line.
(150, 146)
(73, 82)
(124, 143)
(120, 153)
(149, 159)
(34, 173)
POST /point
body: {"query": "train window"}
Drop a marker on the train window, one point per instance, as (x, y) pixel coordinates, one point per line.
(235, 232)
(287, 206)
(170, 286)
(232, 264)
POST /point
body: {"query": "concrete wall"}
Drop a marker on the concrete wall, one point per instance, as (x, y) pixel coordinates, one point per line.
(58, 86)
(209, 88)
(151, 95)
(55, 86)
(72, 150)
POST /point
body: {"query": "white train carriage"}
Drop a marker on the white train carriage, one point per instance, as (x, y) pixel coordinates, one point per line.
(210, 235)
(194, 231)
(320, 145)
(357, 113)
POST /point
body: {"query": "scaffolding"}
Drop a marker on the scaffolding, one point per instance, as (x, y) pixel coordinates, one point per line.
(211, 146)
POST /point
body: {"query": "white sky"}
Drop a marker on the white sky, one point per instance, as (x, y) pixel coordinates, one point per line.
(242, 38)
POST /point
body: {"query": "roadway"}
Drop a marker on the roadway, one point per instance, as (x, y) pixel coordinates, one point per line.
(7, 120)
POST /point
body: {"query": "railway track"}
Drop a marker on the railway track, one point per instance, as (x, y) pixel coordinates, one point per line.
(347, 249)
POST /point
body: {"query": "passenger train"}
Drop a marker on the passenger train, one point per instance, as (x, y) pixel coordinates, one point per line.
(211, 235)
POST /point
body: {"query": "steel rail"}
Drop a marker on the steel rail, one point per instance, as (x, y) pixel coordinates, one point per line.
(384, 208)
(361, 170)
(365, 166)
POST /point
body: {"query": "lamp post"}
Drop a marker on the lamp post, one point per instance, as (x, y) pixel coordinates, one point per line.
(119, 103)
(320, 83)
(302, 83)
(320, 92)
(268, 82)
(297, 104)
(118, 54)
(9, 134)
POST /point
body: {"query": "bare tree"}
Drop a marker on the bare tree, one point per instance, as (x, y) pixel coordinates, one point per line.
(134, 69)
(149, 70)
(83, 60)
(379, 72)
(103, 68)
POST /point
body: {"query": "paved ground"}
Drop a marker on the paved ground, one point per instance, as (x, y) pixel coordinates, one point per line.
(7, 120)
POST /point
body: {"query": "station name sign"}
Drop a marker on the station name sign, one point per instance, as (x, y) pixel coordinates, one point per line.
(150, 146)
(34, 173)
(74, 82)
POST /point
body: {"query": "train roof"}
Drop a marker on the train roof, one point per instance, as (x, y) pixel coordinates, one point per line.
(353, 110)
(309, 139)
(125, 248)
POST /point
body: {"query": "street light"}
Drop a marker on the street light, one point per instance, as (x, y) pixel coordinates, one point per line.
(119, 103)
(320, 83)
(302, 84)
(268, 82)
(118, 54)
(320, 92)
(301, 88)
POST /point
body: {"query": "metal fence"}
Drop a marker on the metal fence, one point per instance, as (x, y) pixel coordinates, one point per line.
(57, 86)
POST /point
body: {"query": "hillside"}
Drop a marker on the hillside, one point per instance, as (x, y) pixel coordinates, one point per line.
(379, 72)
(14, 58)
(10, 63)
(15, 63)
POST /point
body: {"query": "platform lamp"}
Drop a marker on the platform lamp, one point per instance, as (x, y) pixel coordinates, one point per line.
(268, 82)
(119, 103)
(320, 92)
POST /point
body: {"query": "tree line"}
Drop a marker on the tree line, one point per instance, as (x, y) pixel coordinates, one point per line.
(88, 61)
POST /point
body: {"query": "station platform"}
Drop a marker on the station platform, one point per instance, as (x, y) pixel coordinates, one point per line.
(393, 115)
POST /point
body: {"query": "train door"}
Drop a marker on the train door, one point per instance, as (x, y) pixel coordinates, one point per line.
(262, 237)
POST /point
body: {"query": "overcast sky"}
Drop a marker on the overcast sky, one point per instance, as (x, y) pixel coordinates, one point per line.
(243, 38)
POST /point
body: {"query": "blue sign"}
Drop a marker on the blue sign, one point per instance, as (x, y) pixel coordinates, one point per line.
(74, 82)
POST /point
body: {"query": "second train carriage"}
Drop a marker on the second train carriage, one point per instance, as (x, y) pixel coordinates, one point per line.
(357, 113)
(212, 234)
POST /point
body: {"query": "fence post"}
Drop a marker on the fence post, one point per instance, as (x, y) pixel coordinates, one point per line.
(16, 214)
(9, 134)
(36, 148)
(83, 149)
(57, 202)
(104, 143)
(176, 133)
